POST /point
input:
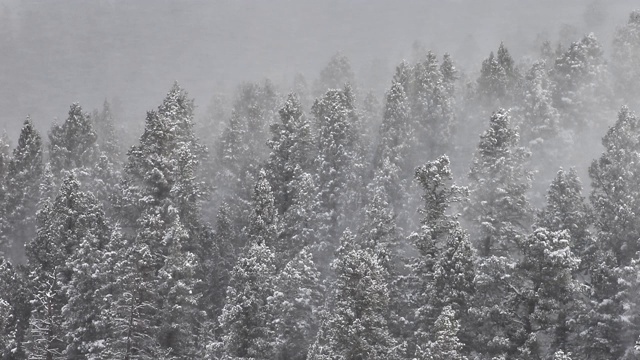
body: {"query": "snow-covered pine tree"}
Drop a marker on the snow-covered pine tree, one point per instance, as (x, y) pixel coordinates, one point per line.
(339, 163)
(72, 231)
(499, 210)
(544, 289)
(296, 302)
(354, 325)
(246, 320)
(291, 146)
(161, 193)
(568, 210)
(499, 79)
(445, 345)
(15, 310)
(74, 144)
(24, 172)
(582, 92)
(614, 195)
(444, 252)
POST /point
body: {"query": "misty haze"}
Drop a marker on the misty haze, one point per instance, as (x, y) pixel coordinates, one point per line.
(341, 179)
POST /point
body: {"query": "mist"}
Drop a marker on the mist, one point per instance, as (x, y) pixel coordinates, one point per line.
(57, 53)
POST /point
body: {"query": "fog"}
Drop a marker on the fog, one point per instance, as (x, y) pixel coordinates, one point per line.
(55, 53)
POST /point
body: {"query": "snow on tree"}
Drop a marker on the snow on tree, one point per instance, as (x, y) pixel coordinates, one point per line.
(264, 222)
(568, 210)
(291, 146)
(499, 79)
(446, 345)
(339, 161)
(499, 209)
(296, 301)
(246, 319)
(159, 208)
(15, 310)
(614, 194)
(242, 147)
(445, 255)
(395, 131)
(74, 143)
(71, 233)
(24, 172)
(354, 326)
(432, 108)
(582, 94)
(539, 118)
(545, 289)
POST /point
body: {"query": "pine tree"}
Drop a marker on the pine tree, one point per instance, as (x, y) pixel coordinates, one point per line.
(614, 195)
(74, 143)
(499, 79)
(540, 119)
(441, 273)
(445, 345)
(24, 172)
(432, 108)
(264, 223)
(354, 326)
(297, 301)
(71, 233)
(546, 287)
(160, 209)
(567, 209)
(582, 93)
(246, 320)
(15, 310)
(339, 160)
(499, 209)
(291, 146)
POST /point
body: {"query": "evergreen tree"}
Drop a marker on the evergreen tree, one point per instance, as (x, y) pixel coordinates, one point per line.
(614, 196)
(499, 78)
(339, 160)
(15, 310)
(264, 223)
(291, 146)
(446, 345)
(567, 209)
(582, 94)
(499, 209)
(24, 173)
(74, 143)
(297, 301)
(246, 319)
(545, 287)
(160, 207)
(441, 273)
(355, 326)
(71, 233)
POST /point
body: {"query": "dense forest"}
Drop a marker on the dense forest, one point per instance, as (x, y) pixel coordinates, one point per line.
(445, 220)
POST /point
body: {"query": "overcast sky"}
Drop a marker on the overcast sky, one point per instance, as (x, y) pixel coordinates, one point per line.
(58, 52)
